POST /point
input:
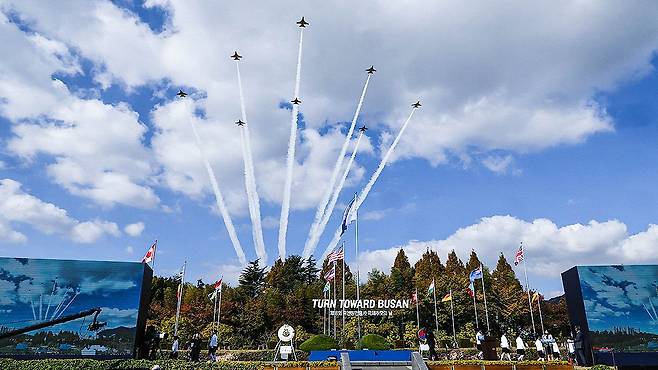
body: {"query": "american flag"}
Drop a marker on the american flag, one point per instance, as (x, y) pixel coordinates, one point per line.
(337, 255)
(331, 274)
(519, 256)
(150, 254)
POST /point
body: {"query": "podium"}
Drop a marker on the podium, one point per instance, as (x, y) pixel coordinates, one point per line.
(489, 348)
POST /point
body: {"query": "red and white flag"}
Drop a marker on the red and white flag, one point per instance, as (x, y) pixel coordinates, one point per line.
(519, 256)
(337, 255)
(218, 285)
(414, 297)
(150, 254)
(331, 274)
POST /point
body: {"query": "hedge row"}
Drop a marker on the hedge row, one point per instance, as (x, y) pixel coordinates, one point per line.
(87, 364)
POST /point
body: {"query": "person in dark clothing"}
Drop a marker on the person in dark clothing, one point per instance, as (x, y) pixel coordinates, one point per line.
(431, 342)
(195, 348)
(579, 344)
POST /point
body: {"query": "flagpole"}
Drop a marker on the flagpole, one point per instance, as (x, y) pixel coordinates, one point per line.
(214, 310)
(342, 304)
(475, 307)
(541, 320)
(358, 268)
(219, 306)
(335, 300)
(484, 294)
(417, 310)
(180, 298)
(324, 314)
(452, 313)
(527, 288)
(436, 318)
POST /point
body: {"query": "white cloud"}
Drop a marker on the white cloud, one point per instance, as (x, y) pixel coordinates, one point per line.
(498, 164)
(130, 250)
(552, 248)
(135, 229)
(18, 207)
(520, 79)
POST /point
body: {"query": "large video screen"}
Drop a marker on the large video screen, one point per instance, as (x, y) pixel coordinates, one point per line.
(69, 308)
(621, 305)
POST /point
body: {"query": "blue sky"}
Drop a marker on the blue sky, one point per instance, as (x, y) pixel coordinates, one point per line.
(543, 131)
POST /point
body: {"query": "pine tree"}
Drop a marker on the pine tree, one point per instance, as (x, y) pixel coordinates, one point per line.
(311, 270)
(428, 268)
(506, 296)
(252, 279)
(402, 276)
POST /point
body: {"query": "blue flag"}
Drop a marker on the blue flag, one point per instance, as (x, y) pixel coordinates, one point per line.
(475, 274)
(347, 217)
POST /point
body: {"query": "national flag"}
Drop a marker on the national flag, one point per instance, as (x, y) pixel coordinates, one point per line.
(475, 274)
(337, 255)
(326, 288)
(330, 275)
(470, 289)
(213, 295)
(348, 217)
(179, 275)
(179, 292)
(447, 298)
(218, 285)
(536, 297)
(430, 289)
(519, 256)
(414, 297)
(150, 254)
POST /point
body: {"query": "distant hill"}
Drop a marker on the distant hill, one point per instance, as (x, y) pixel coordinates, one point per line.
(120, 332)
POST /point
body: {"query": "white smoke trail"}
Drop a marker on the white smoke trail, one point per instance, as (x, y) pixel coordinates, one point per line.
(220, 200)
(290, 159)
(332, 204)
(312, 238)
(250, 178)
(373, 179)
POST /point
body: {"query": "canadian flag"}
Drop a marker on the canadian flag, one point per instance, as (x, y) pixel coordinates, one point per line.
(150, 254)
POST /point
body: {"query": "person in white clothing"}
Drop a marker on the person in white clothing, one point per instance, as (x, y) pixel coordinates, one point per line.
(520, 348)
(479, 338)
(174, 348)
(504, 346)
(539, 346)
(556, 351)
(212, 347)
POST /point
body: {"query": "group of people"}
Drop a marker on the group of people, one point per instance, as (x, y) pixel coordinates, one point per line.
(546, 346)
(195, 347)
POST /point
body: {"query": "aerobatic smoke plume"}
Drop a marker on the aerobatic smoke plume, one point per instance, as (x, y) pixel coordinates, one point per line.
(315, 233)
(332, 204)
(290, 159)
(219, 198)
(368, 187)
(250, 177)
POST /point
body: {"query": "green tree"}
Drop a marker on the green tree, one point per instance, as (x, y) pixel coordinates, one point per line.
(252, 279)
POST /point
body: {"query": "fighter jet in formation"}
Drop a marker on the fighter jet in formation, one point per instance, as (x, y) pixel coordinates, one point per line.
(363, 128)
(296, 101)
(236, 56)
(416, 104)
(371, 70)
(302, 23)
(239, 122)
(181, 94)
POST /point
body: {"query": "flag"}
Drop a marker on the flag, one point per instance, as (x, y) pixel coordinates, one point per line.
(470, 289)
(447, 298)
(414, 297)
(150, 254)
(218, 285)
(475, 274)
(179, 291)
(213, 295)
(536, 296)
(330, 275)
(430, 289)
(180, 273)
(519, 256)
(348, 217)
(326, 288)
(337, 255)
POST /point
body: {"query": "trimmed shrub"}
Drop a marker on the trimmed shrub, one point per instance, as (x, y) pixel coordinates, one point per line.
(319, 342)
(374, 341)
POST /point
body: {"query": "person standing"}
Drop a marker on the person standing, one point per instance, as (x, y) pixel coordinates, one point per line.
(548, 341)
(520, 348)
(479, 338)
(571, 349)
(539, 346)
(579, 344)
(195, 347)
(212, 347)
(504, 347)
(431, 342)
(174, 348)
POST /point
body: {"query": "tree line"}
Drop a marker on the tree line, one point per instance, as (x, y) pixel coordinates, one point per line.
(263, 300)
